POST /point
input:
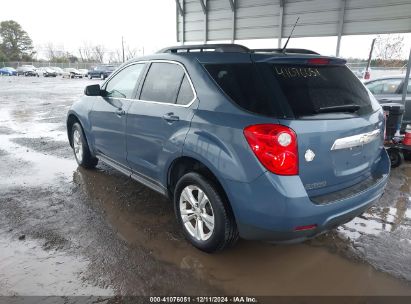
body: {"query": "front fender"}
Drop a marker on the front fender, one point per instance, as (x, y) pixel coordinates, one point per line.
(81, 111)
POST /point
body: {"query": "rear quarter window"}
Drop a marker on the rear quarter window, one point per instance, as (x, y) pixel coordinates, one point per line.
(245, 86)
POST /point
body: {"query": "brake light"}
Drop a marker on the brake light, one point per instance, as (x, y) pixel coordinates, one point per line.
(318, 61)
(275, 146)
(304, 228)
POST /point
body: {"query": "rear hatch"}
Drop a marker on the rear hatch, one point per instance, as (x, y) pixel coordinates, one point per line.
(339, 125)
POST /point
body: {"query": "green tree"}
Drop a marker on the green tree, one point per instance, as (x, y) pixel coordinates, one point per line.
(16, 43)
(3, 57)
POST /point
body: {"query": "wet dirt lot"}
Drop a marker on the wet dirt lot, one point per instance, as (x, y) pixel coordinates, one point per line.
(69, 231)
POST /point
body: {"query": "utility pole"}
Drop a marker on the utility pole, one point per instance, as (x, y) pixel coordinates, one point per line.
(122, 47)
(367, 72)
(406, 80)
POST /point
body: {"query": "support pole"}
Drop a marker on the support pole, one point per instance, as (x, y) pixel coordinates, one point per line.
(183, 24)
(122, 47)
(179, 8)
(406, 80)
(203, 4)
(340, 27)
(233, 17)
(180, 11)
(280, 23)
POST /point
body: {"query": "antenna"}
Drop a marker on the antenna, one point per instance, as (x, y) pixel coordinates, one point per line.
(288, 39)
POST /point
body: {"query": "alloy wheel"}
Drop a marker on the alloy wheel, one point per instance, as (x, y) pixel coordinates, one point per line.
(78, 145)
(196, 213)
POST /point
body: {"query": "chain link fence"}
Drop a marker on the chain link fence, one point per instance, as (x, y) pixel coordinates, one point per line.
(77, 65)
(376, 71)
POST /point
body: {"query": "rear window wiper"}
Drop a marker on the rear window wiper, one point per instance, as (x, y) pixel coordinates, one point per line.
(343, 108)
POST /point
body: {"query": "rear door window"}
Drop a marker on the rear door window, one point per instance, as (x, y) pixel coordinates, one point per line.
(162, 82)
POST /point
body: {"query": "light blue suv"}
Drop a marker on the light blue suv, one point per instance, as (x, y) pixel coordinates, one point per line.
(258, 144)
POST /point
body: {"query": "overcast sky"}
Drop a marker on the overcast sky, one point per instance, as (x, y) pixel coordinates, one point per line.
(143, 23)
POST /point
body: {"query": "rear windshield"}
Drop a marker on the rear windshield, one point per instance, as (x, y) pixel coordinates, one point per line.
(293, 91)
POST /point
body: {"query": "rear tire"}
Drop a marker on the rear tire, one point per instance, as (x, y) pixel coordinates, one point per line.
(396, 157)
(81, 149)
(203, 214)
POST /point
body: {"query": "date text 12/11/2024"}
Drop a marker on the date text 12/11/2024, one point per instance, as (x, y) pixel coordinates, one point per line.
(203, 299)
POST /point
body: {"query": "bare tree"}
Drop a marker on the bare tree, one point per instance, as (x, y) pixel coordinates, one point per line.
(86, 52)
(99, 53)
(132, 53)
(116, 56)
(389, 47)
(50, 51)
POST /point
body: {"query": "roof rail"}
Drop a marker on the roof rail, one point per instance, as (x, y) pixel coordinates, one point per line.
(228, 47)
(289, 51)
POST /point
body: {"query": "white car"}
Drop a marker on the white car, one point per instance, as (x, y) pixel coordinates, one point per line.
(83, 72)
(58, 70)
(72, 73)
(46, 72)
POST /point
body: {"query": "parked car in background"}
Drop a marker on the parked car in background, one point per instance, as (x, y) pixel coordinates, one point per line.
(389, 89)
(72, 73)
(58, 70)
(84, 72)
(8, 71)
(102, 71)
(27, 70)
(271, 145)
(46, 72)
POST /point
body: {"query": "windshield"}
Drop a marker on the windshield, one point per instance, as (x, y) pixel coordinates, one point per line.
(293, 91)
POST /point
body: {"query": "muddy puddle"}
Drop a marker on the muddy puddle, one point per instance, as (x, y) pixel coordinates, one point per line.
(96, 232)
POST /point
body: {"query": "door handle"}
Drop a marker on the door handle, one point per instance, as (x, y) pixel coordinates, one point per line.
(170, 117)
(120, 112)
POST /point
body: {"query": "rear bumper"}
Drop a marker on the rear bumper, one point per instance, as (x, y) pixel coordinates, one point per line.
(271, 207)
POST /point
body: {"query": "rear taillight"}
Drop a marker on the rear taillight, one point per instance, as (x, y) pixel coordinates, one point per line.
(275, 147)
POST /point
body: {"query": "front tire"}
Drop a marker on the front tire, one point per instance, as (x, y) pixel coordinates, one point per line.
(203, 213)
(81, 149)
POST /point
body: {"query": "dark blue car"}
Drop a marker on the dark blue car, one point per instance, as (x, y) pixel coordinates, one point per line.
(101, 72)
(266, 145)
(8, 71)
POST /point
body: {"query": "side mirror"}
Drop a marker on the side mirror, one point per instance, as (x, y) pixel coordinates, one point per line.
(93, 90)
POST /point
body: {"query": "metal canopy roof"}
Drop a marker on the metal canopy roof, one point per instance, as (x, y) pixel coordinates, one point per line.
(211, 20)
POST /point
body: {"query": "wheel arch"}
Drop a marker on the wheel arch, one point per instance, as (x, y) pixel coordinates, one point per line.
(186, 164)
(71, 120)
